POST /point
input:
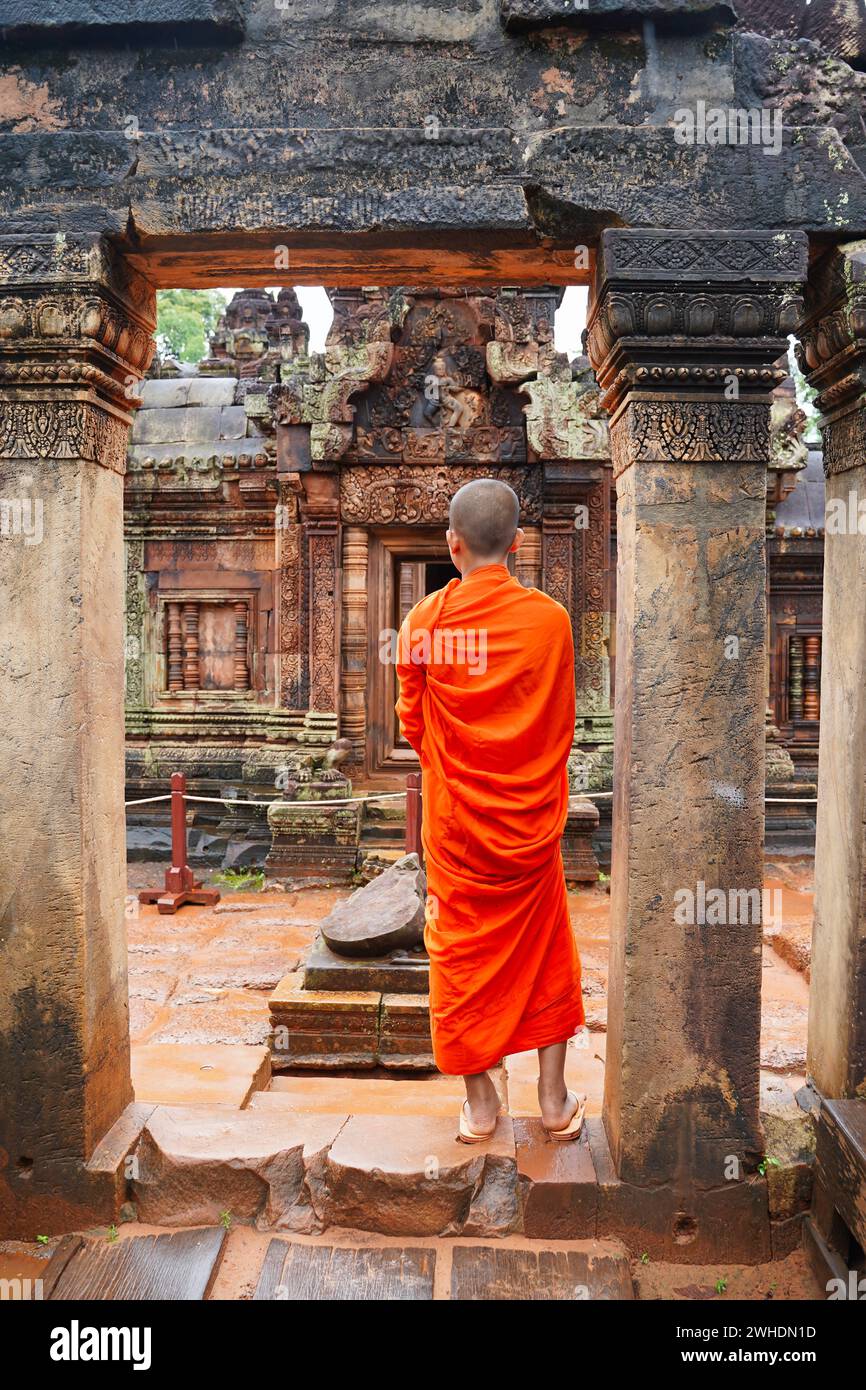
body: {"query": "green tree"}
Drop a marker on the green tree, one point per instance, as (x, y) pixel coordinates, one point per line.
(184, 318)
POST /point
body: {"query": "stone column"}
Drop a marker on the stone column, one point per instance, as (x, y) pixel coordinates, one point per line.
(75, 338)
(353, 683)
(320, 510)
(683, 335)
(833, 353)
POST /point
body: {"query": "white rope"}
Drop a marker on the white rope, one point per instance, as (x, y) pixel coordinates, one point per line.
(390, 796)
(236, 801)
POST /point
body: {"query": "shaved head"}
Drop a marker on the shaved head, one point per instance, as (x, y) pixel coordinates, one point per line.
(484, 514)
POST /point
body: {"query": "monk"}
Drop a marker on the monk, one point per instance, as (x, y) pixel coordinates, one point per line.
(486, 671)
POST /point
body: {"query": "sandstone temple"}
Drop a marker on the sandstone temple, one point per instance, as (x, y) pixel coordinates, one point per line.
(203, 570)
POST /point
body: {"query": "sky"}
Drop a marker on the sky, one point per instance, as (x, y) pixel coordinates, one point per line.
(570, 318)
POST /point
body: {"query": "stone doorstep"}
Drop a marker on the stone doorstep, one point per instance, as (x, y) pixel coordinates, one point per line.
(284, 1169)
(331, 1028)
(199, 1074)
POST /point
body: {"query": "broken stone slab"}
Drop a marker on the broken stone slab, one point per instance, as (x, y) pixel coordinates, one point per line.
(408, 1175)
(326, 1273)
(586, 1271)
(789, 1140)
(558, 1186)
(385, 915)
(196, 1163)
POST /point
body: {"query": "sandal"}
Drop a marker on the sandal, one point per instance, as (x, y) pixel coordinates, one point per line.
(574, 1126)
(467, 1135)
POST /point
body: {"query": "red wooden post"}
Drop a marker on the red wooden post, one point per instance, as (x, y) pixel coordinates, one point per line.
(413, 815)
(181, 884)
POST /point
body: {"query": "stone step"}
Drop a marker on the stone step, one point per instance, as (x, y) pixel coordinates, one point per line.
(435, 1095)
(459, 1269)
(281, 1168)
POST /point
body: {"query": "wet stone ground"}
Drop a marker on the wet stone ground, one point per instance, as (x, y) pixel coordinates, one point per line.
(199, 983)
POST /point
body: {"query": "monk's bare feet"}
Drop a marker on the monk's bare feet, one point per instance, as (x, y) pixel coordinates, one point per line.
(558, 1107)
(482, 1103)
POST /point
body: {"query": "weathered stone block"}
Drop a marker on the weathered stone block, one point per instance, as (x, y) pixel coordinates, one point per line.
(385, 915)
(409, 1176)
(212, 18)
(558, 1185)
(195, 1163)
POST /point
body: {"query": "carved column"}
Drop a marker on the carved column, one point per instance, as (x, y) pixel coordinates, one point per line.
(174, 647)
(321, 517)
(292, 625)
(75, 326)
(242, 664)
(353, 692)
(527, 561)
(795, 677)
(834, 355)
(683, 337)
(191, 671)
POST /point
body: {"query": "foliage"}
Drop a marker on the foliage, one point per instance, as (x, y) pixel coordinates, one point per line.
(806, 395)
(184, 320)
(254, 879)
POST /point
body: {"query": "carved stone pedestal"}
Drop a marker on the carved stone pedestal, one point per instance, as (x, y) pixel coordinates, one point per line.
(314, 846)
(578, 855)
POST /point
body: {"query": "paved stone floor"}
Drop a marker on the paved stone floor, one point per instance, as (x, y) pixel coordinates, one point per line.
(360, 1265)
(199, 983)
(199, 986)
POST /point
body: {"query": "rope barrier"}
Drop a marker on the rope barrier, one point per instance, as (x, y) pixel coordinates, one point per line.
(391, 796)
(236, 801)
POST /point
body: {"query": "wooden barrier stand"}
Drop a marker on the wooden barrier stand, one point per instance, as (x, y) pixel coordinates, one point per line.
(181, 885)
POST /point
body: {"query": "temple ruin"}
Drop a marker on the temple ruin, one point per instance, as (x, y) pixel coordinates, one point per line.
(220, 554)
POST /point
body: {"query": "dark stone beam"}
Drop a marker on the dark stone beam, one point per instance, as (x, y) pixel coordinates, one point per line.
(92, 20)
(535, 14)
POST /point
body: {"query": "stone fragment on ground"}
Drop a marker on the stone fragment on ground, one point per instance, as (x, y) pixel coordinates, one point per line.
(384, 915)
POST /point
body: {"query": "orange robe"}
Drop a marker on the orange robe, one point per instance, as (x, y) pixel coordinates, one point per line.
(486, 670)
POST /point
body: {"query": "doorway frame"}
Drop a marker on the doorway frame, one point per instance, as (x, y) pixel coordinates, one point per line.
(386, 544)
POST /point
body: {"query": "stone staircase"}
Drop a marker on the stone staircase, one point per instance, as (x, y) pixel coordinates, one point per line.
(394, 1173)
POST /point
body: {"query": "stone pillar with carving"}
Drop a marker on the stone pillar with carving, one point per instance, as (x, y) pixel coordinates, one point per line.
(320, 511)
(353, 684)
(75, 339)
(684, 335)
(833, 353)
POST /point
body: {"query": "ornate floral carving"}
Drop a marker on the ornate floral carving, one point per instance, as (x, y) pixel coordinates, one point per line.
(691, 432)
(381, 495)
(61, 429)
(323, 618)
(844, 441)
(667, 322)
(718, 255)
(135, 610)
(75, 340)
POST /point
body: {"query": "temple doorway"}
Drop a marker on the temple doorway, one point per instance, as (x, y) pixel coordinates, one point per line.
(405, 564)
